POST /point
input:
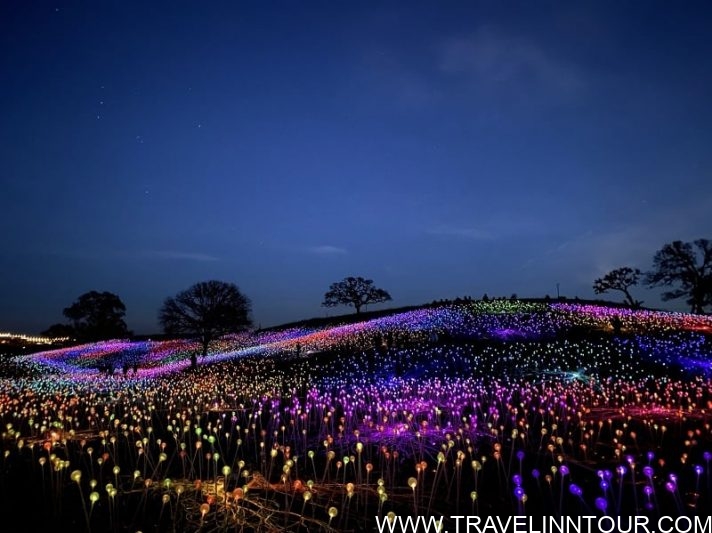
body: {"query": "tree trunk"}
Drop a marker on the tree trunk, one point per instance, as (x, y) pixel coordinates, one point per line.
(203, 353)
(696, 300)
(629, 299)
(358, 308)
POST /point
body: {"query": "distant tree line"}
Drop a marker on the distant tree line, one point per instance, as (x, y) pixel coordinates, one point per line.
(685, 268)
(211, 309)
(93, 317)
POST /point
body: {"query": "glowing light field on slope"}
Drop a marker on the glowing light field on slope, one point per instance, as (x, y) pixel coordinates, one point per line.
(480, 408)
(501, 320)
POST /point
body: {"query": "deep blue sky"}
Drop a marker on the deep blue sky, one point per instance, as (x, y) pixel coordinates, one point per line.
(440, 148)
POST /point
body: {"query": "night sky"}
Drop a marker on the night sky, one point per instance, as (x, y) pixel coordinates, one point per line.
(441, 149)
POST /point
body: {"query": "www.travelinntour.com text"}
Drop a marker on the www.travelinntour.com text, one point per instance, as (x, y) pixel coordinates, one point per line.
(543, 524)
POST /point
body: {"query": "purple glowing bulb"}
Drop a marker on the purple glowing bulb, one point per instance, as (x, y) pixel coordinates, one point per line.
(648, 490)
(648, 471)
(670, 486)
(604, 485)
(707, 456)
(564, 470)
(601, 504)
(519, 493)
(698, 470)
(622, 470)
(535, 474)
(575, 490)
(651, 456)
(517, 479)
(520, 455)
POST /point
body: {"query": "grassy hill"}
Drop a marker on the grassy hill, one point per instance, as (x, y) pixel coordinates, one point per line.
(470, 407)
